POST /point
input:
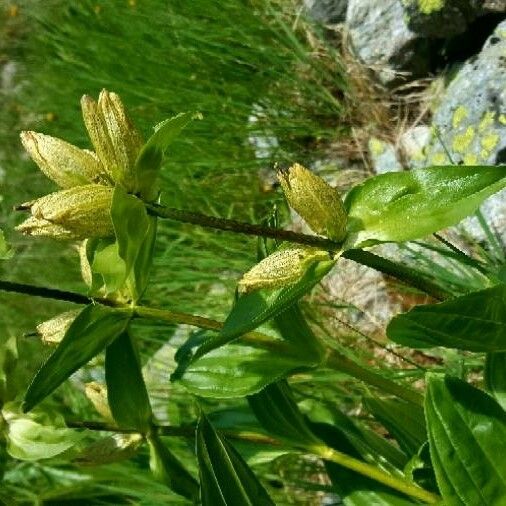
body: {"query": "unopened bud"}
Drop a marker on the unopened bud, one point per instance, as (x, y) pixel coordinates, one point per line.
(53, 330)
(126, 140)
(65, 164)
(97, 395)
(315, 201)
(115, 139)
(76, 213)
(281, 268)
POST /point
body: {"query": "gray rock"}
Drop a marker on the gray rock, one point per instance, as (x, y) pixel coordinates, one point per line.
(471, 121)
(441, 18)
(381, 39)
(327, 11)
(383, 156)
(413, 143)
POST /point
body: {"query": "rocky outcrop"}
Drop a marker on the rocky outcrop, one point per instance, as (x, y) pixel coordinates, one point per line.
(441, 18)
(380, 38)
(327, 12)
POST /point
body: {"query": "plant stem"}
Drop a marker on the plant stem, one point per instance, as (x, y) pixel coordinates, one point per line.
(47, 293)
(334, 360)
(375, 473)
(339, 362)
(173, 430)
(398, 271)
(241, 227)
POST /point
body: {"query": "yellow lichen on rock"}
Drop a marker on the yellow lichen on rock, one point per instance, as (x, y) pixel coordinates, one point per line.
(430, 6)
(461, 142)
(459, 115)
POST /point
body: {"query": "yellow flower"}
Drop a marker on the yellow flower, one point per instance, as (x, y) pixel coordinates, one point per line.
(317, 203)
(76, 213)
(81, 209)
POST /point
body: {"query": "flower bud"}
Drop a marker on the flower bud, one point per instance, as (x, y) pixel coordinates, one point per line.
(65, 164)
(283, 267)
(76, 213)
(53, 330)
(126, 140)
(97, 394)
(113, 136)
(315, 201)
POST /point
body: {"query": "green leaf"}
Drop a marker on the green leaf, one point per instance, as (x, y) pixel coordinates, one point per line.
(254, 308)
(107, 267)
(225, 478)
(131, 226)
(353, 488)
(6, 252)
(495, 376)
(237, 370)
(402, 206)
(94, 328)
(467, 437)
(403, 420)
(419, 469)
(474, 322)
(35, 436)
(167, 469)
(126, 391)
(276, 410)
(294, 328)
(108, 450)
(150, 157)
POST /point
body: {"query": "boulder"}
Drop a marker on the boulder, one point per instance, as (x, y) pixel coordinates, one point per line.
(441, 18)
(469, 121)
(327, 12)
(383, 156)
(381, 39)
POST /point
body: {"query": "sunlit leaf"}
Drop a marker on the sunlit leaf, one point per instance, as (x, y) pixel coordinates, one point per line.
(401, 206)
(236, 370)
(35, 436)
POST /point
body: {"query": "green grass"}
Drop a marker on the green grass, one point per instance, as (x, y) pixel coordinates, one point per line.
(227, 60)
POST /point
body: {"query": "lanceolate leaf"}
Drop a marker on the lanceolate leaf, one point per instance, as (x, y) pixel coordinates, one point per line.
(277, 411)
(131, 225)
(474, 322)
(236, 370)
(353, 488)
(253, 309)
(467, 437)
(167, 469)
(126, 391)
(93, 329)
(495, 376)
(404, 421)
(225, 478)
(401, 206)
(150, 157)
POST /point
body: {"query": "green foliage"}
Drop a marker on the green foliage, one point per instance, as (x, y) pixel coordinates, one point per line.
(224, 476)
(126, 391)
(474, 322)
(495, 376)
(94, 328)
(410, 205)
(467, 436)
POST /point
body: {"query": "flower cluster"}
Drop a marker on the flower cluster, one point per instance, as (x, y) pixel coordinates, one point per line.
(80, 210)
